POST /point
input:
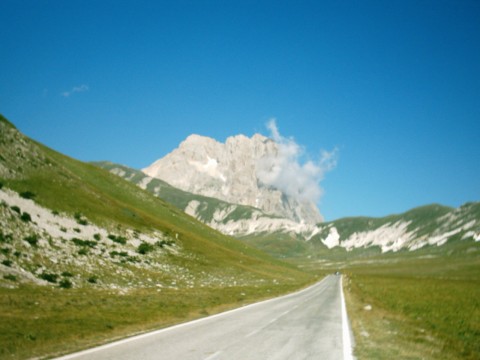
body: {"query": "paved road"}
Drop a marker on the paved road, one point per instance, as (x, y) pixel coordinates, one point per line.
(309, 324)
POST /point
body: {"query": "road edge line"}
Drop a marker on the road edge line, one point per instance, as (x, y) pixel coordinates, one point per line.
(347, 342)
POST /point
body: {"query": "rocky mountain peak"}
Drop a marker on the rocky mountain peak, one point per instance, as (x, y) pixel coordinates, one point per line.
(229, 171)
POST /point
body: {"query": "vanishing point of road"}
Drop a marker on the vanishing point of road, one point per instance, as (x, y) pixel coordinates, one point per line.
(309, 324)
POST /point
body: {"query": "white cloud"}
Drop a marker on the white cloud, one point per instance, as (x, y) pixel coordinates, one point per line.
(75, 89)
(286, 171)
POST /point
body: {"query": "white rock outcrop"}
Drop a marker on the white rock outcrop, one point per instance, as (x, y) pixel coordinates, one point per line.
(228, 171)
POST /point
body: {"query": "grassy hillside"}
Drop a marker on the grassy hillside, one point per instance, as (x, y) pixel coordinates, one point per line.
(87, 257)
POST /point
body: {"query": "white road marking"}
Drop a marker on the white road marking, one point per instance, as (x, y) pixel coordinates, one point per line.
(347, 345)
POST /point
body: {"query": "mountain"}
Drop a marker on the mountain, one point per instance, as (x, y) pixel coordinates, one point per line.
(423, 226)
(229, 218)
(230, 172)
(59, 215)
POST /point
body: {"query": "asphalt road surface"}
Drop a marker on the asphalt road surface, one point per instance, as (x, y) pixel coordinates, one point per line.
(310, 324)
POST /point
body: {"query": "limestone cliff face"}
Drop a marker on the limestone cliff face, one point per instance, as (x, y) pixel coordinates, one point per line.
(228, 171)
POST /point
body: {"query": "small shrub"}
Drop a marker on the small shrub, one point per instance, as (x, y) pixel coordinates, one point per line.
(16, 209)
(10, 277)
(32, 239)
(67, 274)
(50, 277)
(5, 238)
(55, 212)
(80, 242)
(1, 184)
(80, 219)
(7, 262)
(26, 217)
(64, 229)
(144, 248)
(83, 251)
(118, 239)
(17, 254)
(65, 284)
(133, 259)
(77, 230)
(92, 279)
(117, 253)
(5, 251)
(27, 195)
(163, 243)
(97, 237)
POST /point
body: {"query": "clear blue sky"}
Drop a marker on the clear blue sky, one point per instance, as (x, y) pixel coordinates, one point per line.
(394, 85)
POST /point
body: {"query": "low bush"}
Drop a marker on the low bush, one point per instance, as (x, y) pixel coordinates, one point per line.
(32, 239)
(119, 253)
(80, 219)
(144, 248)
(67, 274)
(163, 243)
(7, 262)
(10, 277)
(97, 237)
(16, 209)
(27, 195)
(5, 238)
(133, 259)
(26, 217)
(118, 239)
(50, 277)
(87, 243)
(92, 279)
(65, 284)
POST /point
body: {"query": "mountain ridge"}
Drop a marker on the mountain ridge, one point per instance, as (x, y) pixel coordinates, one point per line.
(426, 225)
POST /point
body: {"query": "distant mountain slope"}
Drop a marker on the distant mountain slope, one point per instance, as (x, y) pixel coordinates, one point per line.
(230, 171)
(64, 221)
(414, 229)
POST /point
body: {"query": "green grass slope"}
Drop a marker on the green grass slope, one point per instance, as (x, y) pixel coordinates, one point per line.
(130, 262)
(420, 305)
